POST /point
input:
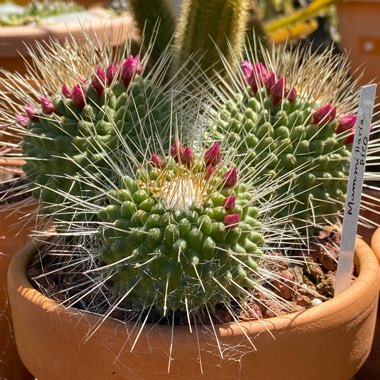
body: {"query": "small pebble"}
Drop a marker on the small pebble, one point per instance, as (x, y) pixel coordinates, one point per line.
(316, 301)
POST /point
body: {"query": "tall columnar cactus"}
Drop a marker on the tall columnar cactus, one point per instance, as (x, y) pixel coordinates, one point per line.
(74, 138)
(182, 234)
(155, 22)
(205, 24)
(284, 123)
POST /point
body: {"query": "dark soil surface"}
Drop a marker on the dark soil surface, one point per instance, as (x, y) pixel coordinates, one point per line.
(301, 285)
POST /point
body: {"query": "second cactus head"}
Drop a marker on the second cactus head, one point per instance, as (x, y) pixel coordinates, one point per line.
(285, 124)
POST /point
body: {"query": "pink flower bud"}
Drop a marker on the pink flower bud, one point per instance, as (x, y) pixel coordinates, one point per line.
(82, 80)
(246, 68)
(231, 220)
(260, 71)
(47, 105)
(347, 124)
(31, 111)
(229, 202)
(99, 81)
(111, 72)
(270, 80)
(230, 178)
(176, 151)
(209, 171)
(213, 155)
(131, 66)
(156, 160)
(187, 156)
(66, 92)
(78, 96)
(22, 120)
(278, 90)
(291, 94)
(324, 114)
(258, 76)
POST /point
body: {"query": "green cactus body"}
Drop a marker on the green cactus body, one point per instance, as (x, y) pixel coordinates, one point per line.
(185, 239)
(149, 14)
(278, 133)
(74, 145)
(205, 24)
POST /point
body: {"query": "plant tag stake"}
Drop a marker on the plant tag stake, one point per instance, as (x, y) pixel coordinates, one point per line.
(354, 188)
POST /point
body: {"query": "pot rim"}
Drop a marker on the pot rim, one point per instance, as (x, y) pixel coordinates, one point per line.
(364, 290)
(19, 38)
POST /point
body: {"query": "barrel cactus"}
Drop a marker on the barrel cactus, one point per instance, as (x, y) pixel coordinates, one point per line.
(182, 233)
(74, 138)
(297, 127)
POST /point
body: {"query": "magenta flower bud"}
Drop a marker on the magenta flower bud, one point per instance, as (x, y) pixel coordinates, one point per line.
(156, 160)
(258, 76)
(291, 94)
(99, 81)
(324, 114)
(270, 80)
(66, 92)
(213, 154)
(22, 120)
(31, 112)
(47, 105)
(187, 156)
(78, 96)
(231, 220)
(260, 71)
(230, 178)
(229, 202)
(246, 68)
(111, 72)
(176, 151)
(209, 171)
(278, 90)
(346, 123)
(82, 80)
(131, 66)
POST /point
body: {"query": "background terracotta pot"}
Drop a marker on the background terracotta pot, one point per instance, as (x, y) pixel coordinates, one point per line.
(14, 231)
(14, 40)
(85, 3)
(358, 22)
(329, 341)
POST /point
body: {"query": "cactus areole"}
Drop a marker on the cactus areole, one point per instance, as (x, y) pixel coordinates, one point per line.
(271, 122)
(180, 239)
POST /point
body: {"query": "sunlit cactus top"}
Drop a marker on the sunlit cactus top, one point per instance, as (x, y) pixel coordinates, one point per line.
(281, 127)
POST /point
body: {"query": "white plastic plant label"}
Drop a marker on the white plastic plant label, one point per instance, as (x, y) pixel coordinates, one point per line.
(354, 188)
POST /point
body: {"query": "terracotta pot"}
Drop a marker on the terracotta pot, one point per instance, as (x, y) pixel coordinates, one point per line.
(358, 22)
(371, 368)
(85, 3)
(15, 40)
(330, 341)
(12, 239)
